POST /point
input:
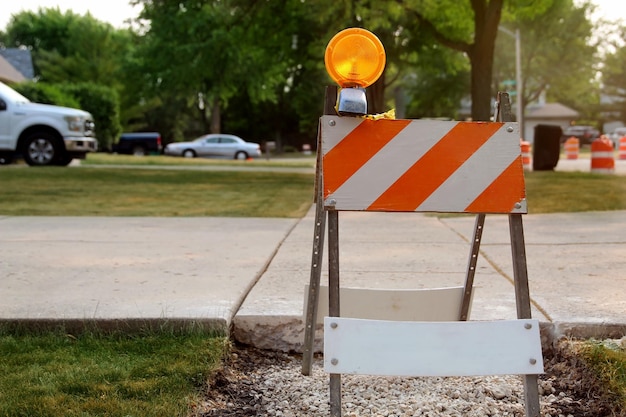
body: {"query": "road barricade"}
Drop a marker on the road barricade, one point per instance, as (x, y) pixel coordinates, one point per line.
(602, 157)
(526, 158)
(621, 150)
(572, 146)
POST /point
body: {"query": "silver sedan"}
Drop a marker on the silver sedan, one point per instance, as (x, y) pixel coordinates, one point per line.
(215, 145)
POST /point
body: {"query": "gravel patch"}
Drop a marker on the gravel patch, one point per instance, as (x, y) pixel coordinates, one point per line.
(266, 383)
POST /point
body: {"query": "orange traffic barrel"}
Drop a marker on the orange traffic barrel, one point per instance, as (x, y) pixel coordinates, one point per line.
(572, 146)
(621, 150)
(525, 148)
(602, 157)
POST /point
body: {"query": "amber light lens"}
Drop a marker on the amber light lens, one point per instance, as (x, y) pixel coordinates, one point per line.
(354, 58)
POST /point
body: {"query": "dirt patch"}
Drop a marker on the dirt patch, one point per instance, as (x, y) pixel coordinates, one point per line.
(584, 393)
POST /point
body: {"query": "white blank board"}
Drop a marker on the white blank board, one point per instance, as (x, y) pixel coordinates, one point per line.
(431, 304)
(398, 348)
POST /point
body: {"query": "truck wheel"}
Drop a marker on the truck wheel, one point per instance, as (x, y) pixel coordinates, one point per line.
(41, 149)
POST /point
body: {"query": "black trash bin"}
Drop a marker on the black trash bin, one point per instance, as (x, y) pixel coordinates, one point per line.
(546, 147)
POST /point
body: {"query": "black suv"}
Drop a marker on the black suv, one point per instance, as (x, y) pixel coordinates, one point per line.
(585, 134)
(139, 143)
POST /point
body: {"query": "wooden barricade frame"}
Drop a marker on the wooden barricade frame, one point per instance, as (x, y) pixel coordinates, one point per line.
(339, 186)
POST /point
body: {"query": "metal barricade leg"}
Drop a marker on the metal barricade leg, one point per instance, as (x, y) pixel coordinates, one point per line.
(314, 285)
(471, 266)
(333, 301)
(318, 245)
(522, 299)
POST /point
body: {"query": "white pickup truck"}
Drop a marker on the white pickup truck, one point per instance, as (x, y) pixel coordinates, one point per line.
(42, 134)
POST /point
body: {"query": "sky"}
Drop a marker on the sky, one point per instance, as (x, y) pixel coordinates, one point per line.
(611, 10)
(116, 11)
(110, 11)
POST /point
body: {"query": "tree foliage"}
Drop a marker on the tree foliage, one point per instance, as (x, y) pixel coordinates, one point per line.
(468, 27)
(46, 94)
(561, 69)
(614, 78)
(102, 102)
(67, 47)
(471, 27)
(215, 50)
(255, 68)
(426, 41)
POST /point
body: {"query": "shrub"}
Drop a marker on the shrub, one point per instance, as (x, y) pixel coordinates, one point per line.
(46, 94)
(103, 103)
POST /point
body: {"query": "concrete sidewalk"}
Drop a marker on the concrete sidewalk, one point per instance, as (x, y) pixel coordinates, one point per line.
(248, 274)
(583, 164)
(142, 269)
(576, 268)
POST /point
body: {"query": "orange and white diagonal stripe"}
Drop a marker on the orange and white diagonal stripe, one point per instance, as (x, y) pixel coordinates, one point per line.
(422, 165)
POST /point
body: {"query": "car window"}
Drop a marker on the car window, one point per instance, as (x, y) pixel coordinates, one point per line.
(212, 140)
(227, 140)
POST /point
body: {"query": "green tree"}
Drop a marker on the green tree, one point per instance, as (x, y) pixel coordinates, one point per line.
(414, 58)
(563, 68)
(213, 50)
(614, 77)
(45, 29)
(437, 89)
(471, 27)
(382, 19)
(288, 116)
(67, 47)
(413, 32)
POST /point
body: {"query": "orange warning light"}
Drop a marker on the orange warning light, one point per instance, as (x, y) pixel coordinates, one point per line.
(355, 58)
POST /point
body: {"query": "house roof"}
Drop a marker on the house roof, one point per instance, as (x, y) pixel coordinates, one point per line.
(21, 60)
(8, 73)
(551, 111)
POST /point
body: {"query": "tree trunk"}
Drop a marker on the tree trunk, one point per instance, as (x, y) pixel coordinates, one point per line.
(216, 116)
(487, 15)
(486, 21)
(376, 96)
(481, 87)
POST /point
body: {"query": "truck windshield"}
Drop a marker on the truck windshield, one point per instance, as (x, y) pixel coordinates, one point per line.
(12, 95)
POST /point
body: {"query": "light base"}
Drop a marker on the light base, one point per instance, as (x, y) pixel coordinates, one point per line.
(352, 102)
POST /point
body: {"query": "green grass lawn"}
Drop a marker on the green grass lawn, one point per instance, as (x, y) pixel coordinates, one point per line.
(286, 160)
(57, 374)
(569, 192)
(140, 191)
(161, 373)
(54, 191)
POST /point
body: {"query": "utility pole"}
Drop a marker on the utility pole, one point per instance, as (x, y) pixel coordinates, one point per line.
(518, 77)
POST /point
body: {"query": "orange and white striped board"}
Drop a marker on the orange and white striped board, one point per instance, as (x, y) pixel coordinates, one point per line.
(421, 165)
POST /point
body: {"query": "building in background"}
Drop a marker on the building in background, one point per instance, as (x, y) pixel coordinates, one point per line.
(16, 65)
(542, 113)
